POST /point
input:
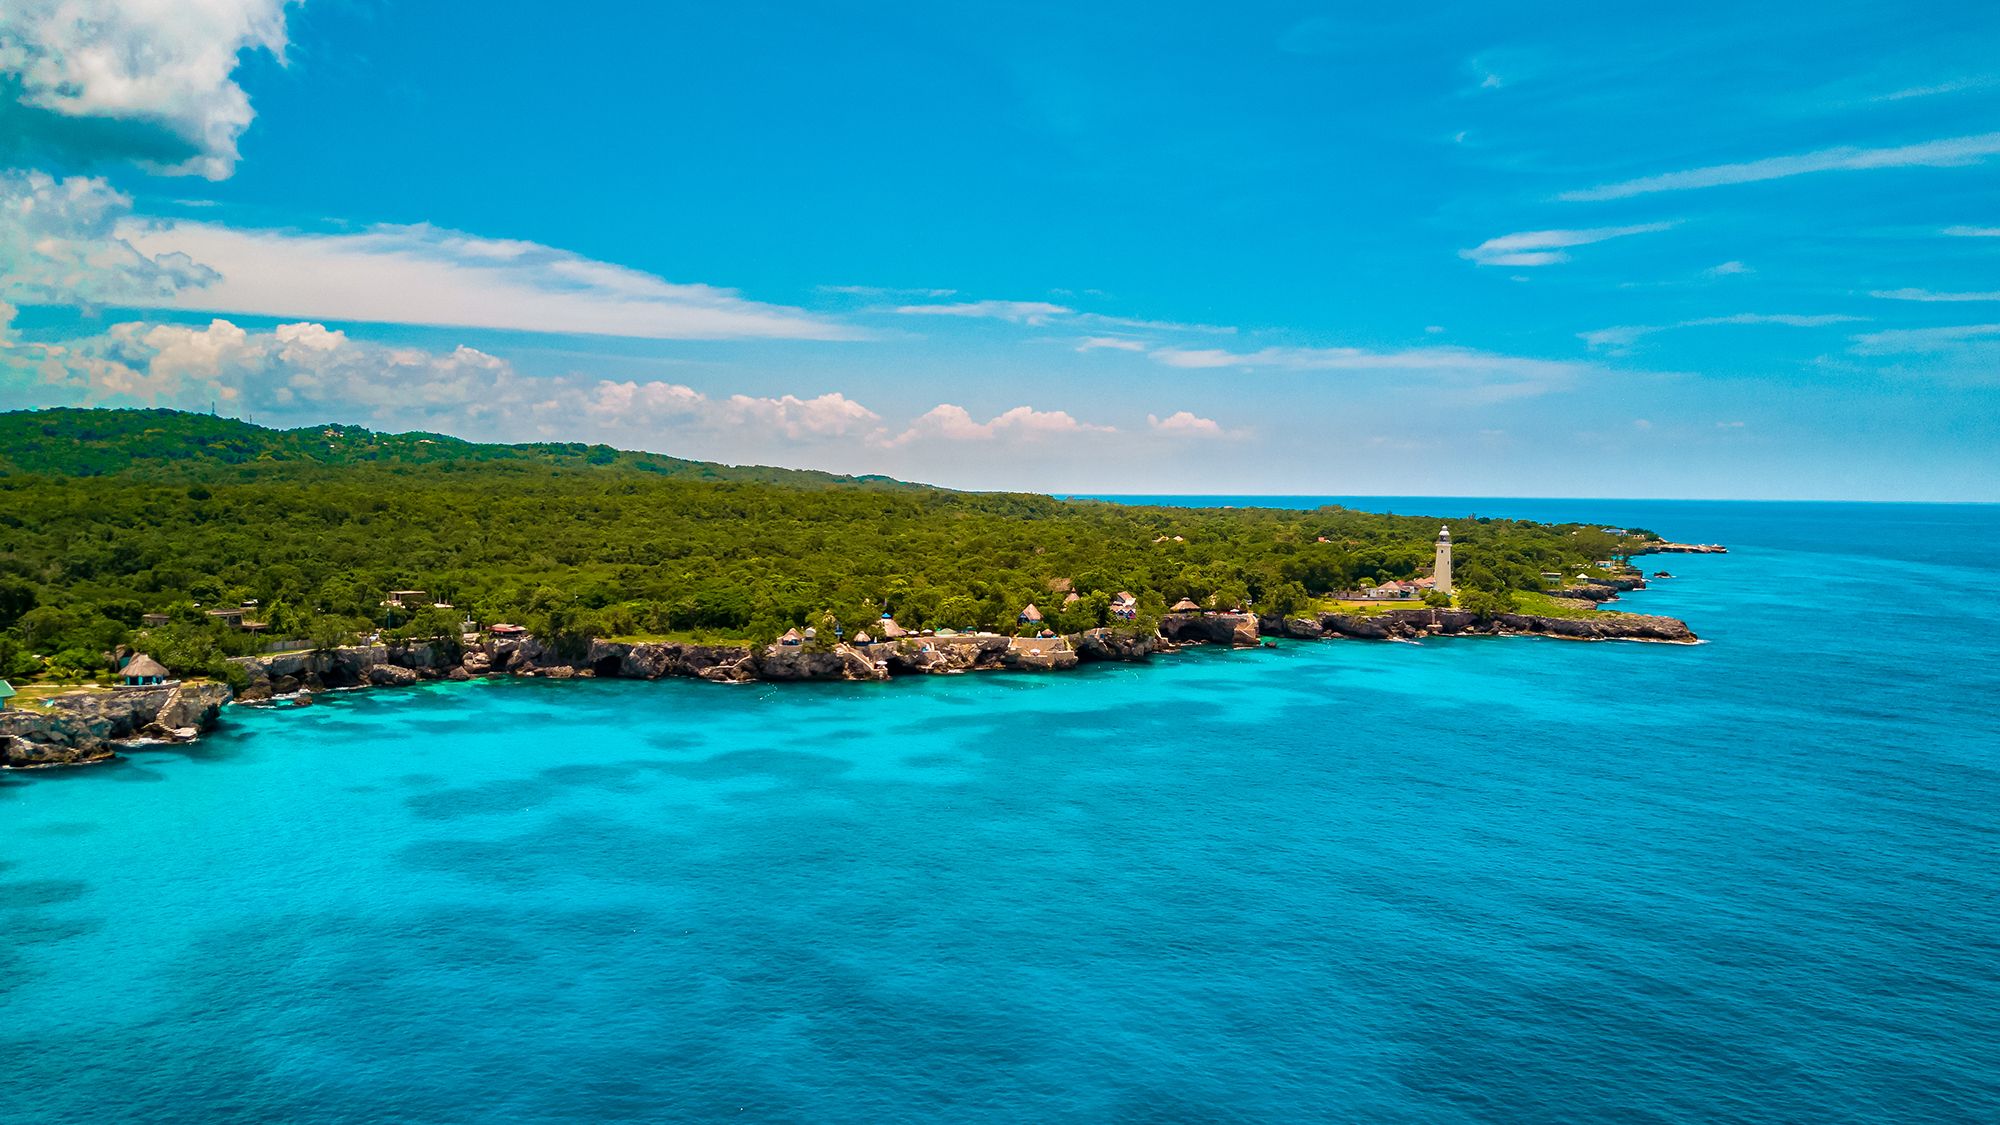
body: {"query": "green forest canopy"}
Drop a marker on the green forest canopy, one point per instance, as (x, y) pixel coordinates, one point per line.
(110, 514)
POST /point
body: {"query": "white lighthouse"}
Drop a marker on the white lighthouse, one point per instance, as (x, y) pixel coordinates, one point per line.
(1441, 573)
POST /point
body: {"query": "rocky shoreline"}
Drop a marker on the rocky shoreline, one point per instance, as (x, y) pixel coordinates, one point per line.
(85, 727)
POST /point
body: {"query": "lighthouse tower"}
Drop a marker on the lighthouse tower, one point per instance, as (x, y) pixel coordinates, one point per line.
(1441, 574)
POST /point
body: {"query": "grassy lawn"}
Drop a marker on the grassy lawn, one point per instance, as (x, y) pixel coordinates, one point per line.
(1542, 605)
(35, 693)
(1363, 608)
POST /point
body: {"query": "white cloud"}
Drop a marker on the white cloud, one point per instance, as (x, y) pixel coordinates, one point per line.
(1475, 375)
(1183, 423)
(1018, 312)
(162, 64)
(884, 292)
(1728, 269)
(954, 423)
(1972, 232)
(1930, 295)
(291, 367)
(426, 275)
(1950, 152)
(1621, 336)
(1905, 340)
(1112, 343)
(1545, 247)
(630, 405)
(306, 371)
(1955, 86)
(1042, 313)
(58, 245)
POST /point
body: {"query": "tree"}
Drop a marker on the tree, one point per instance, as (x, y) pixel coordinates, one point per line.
(1486, 604)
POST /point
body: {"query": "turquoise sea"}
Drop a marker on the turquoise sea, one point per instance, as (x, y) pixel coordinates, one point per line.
(1473, 880)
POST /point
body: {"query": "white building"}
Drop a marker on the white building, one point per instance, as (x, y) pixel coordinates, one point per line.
(1441, 573)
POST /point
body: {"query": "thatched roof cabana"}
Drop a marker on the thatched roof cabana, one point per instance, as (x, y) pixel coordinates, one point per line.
(1030, 614)
(1186, 605)
(143, 669)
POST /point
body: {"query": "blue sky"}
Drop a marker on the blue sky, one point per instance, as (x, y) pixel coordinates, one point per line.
(1746, 251)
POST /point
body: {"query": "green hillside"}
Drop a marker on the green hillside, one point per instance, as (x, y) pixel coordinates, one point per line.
(173, 443)
(108, 516)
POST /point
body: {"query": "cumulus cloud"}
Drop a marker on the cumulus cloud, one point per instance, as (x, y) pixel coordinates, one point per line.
(167, 66)
(651, 405)
(1184, 423)
(1950, 152)
(1546, 247)
(955, 423)
(308, 372)
(431, 276)
(293, 366)
(59, 245)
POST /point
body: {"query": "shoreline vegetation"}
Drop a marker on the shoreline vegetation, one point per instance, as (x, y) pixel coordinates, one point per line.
(249, 564)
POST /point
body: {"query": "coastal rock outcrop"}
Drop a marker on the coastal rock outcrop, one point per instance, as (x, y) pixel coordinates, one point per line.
(1114, 644)
(1297, 628)
(1604, 627)
(1407, 624)
(962, 653)
(649, 660)
(1026, 655)
(85, 726)
(1210, 628)
(841, 662)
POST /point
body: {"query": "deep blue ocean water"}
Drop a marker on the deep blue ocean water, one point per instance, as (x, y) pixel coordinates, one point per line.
(1473, 880)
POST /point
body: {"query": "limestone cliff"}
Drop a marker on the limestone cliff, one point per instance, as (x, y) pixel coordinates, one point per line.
(86, 726)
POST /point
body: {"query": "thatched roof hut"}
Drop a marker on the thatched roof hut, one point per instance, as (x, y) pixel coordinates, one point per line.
(1186, 605)
(892, 630)
(1072, 598)
(1029, 614)
(142, 669)
(791, 637)
(862, 638)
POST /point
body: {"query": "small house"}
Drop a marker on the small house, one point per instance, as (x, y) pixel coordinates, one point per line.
(1030, 615)
(1186, 605)
(409, 599)
(142, 671)
(811, 634)
(792, 637)
(7, 692)
(153, 620)
(503, 629)
(230, 617)
(862, 638)
(891, 630)
(1124, 605)
(1072, 598)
